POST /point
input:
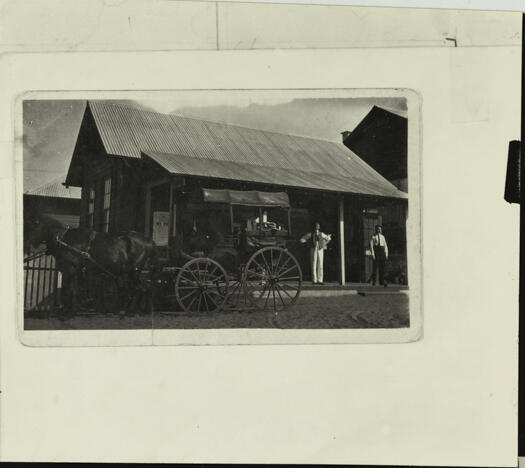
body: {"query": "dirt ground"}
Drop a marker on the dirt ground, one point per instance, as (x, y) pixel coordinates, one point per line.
(386, 310)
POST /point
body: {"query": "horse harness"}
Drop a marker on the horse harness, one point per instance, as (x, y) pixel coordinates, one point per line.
(83, 253)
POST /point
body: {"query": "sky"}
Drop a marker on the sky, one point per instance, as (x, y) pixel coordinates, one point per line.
(51, 126)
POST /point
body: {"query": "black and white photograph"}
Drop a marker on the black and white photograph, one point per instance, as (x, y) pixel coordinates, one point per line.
(259, 233)
(217, 210)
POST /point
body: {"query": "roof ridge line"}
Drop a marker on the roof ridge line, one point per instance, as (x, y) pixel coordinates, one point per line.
(251, 128)
(210, 121)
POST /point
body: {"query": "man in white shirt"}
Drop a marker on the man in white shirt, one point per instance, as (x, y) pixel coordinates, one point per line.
(379, 250)
(317, 241)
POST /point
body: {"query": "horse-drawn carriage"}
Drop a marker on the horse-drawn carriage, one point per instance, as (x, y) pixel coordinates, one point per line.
(251, 267)
(247, 263)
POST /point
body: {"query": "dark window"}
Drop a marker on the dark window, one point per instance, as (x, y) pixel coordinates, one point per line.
(107, 205)
(91, 207)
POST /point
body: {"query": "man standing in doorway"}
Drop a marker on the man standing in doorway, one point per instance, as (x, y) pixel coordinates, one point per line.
(317, 241)
(379, 250)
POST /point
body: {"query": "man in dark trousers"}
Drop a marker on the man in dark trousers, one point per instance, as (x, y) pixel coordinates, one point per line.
(379, 250)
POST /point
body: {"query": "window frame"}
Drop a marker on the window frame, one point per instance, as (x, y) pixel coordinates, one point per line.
(92, 196)
(106, 205)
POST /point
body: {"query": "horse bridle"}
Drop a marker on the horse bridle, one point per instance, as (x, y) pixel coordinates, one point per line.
(83, 253)
(58, 236)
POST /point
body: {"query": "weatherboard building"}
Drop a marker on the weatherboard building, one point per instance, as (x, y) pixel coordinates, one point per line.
(156, 173)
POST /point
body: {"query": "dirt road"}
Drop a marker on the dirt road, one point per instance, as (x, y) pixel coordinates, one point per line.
(387, 310)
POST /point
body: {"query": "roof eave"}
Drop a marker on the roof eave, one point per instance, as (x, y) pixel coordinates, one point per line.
(399, 196)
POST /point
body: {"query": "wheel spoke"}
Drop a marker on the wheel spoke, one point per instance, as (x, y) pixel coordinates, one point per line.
(290, 285)
(258, 264)
(205, 301)
(268, 269)
(289, 269)
(188, 295)
(206, 271)
(201, 274)
(279, 293)
(187, 280)
(267, 297)
(192, 274)
(191, 303)
(211, 272)
(256, 273)
(196, 269)
(212, 300)
(273, 293)
(284, 290)
(284, 266)
(289, 278)
(278, 260)
(199, 303)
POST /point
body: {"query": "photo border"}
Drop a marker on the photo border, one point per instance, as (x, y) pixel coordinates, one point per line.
(239, 336)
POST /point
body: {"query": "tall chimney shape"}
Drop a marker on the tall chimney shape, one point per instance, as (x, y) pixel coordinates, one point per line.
(345, 135)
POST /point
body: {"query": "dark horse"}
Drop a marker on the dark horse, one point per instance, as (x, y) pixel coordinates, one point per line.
(113, 257)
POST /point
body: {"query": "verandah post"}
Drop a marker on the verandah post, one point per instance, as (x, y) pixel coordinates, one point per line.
(170, 212)
(147, 211)
(342, 272)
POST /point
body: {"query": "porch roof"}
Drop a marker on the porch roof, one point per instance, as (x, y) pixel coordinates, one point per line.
(191, 166)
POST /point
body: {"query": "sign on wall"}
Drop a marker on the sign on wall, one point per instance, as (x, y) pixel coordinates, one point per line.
(161, 227)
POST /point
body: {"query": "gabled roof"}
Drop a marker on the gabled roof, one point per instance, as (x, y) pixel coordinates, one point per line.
(380, 139)
(398, 112)
(377, 116)
(55, 189)
(131, 132)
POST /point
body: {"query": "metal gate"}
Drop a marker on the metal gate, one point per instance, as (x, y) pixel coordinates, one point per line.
(41, 284)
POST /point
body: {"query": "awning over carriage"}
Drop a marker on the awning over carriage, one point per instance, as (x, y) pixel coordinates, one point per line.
(247, 198)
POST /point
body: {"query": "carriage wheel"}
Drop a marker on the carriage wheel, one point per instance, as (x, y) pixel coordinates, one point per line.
(201, 286)
(273, 279)
(237, 296)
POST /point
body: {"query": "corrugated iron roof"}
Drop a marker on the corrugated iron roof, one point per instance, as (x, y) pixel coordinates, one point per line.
(73, 221)
(129, 132)
(55, 189)
(184, 165)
